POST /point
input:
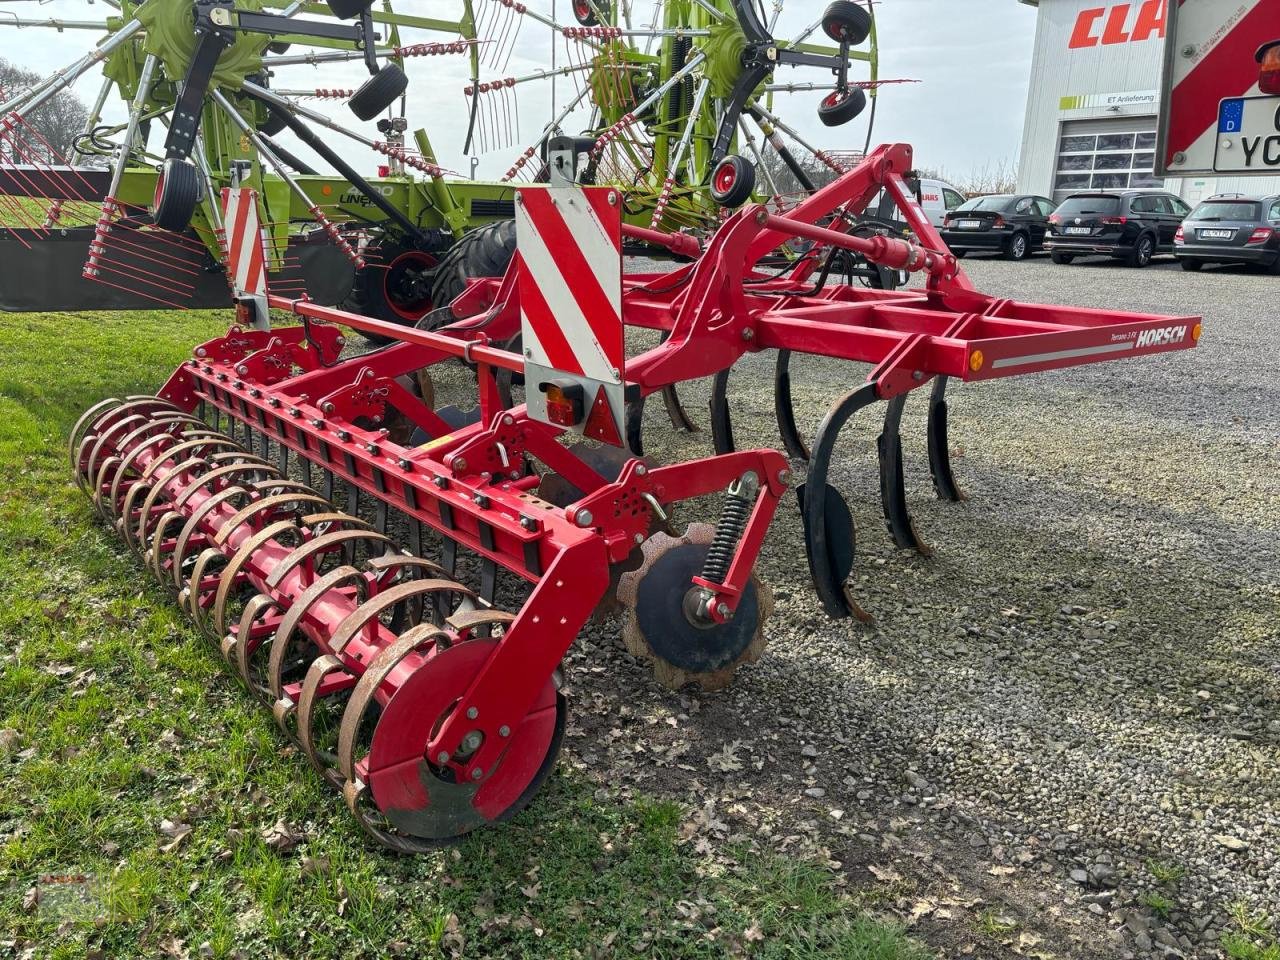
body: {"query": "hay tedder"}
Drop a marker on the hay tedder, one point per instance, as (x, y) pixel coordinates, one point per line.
(430, 709)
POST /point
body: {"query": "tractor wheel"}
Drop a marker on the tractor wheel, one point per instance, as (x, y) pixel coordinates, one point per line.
(846, 22)
(585, 12)
(484, 252)
(378, 92)
(395, 287)
(840, 106)
(348, 9)
(733, 181)
(177, 193)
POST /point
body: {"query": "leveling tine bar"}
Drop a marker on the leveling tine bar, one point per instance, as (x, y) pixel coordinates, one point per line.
(717, 309)
(320, 613)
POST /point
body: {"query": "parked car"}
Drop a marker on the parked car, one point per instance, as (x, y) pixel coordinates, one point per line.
(1129, 225)
(937, 198)
(1231, 228)
(1013, 224)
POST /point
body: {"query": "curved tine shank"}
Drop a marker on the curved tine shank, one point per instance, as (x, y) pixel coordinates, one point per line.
(192, 527)
(318, 546)
(893, 489)
(633, 422)
(721, 419)
(135, 443)
(192, 594)
(241, 654)
(785, 410)
(320, 668)
(371, 609)
(833, 594)
(944, 481)
(465, 623)
(249, 514)
(676, 412)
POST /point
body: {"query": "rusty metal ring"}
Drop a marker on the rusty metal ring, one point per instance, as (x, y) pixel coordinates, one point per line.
(379, 603)
(198, 443)
(157, 490)
(108, 507)
(248, 513)
(231, 572)
(465, 622)
(353, 792)
(241, 470)
(130, 407)
(126, 465)
(378, 669)
(320, 668)
(87, 420)
(99, 442)
(257, 607)
(192, 594)
(193, 525)
(152, 557)
(317, 545)
(342, 576)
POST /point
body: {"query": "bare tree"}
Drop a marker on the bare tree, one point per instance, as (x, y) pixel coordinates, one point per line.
(993, 177)
(60, 120)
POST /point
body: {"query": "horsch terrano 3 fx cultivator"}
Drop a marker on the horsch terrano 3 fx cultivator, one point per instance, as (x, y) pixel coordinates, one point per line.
(432, 711)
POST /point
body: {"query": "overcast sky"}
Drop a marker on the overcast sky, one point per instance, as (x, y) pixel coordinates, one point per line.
(972, 56)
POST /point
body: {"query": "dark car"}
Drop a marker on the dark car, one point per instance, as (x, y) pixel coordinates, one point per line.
(1012, 223)
(1129, 225)
(1231, 229)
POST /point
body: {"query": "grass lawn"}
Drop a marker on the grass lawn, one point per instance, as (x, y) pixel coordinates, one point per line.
(141, 784)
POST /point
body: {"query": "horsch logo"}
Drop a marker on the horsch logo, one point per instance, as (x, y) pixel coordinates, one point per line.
(1120, 23)
(1163, 337)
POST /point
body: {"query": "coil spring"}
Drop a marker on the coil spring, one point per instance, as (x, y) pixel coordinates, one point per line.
(733, 521)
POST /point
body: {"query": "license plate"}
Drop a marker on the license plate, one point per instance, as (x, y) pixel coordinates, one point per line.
(1248, 135)
(1217, 234)
(969, 224)
(1078, 231)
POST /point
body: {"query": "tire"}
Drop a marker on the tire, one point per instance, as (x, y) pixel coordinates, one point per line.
(586, 16)
(484, 252)
(1144, 248)
(379, 92)
(1018, 247)
(1061, 258)
(178, 191)
(348, 9)
(393, 288)
(733, 181)
(846, 22)
(840, 106)
(1194, 266)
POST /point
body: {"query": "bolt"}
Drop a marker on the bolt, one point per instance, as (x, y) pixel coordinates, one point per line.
(295, 412)
(341, 341)
(529, 523)
(459, 464)
(641, 469)
(723, 609)
(508, 420)
(583, 519)
(405, 465)
(472, 713)
(613, 199)
(471, 742)
(274, 401)
(504, 731)
(441, 482)
(372, 448)
(514, 474)
(327, 407)
(237, 384)
(917, 375)
(344, 436)
(476, 773)
(242, 370)
(442, 756)
(784, 476)
(528, 354)
(318, 423)
(481, 501)
(748, 334)
(638, 538)
(255, 392)
(201, 352)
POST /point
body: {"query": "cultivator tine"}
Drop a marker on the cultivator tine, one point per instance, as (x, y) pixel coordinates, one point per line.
(893, 494)
(944, 481)
(784, 409)
(721, 419)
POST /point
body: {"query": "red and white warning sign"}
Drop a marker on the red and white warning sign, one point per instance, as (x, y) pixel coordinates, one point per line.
(1220, 102)
(569, 255)
(246, 245)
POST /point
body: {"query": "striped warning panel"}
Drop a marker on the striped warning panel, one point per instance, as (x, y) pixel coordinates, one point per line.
(246, 253)
(569, 244)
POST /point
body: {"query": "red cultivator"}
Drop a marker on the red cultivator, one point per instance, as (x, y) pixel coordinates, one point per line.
(432, 711)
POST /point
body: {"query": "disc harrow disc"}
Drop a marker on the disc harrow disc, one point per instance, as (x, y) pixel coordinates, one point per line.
(658, 628)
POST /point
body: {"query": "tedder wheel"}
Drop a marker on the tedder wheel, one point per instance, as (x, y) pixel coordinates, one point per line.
(484, 252)
(733, 181)
(347, 9)
(846, 22)
(177, 193)
(1062, 257)
(585, 11)
(378, 92)
(840, 106)
(1193, 266)
(1018, 247)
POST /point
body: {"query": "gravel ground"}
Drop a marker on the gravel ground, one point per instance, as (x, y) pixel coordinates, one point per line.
(1060, 735)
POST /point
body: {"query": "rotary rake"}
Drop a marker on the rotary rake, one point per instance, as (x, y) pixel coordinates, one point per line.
(433, 711)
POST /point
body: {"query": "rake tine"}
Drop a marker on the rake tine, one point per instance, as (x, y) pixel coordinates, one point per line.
(944, 481)
(893, 494)
(785, 410)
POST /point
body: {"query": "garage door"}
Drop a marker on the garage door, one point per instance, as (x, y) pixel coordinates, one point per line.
(1111, 154)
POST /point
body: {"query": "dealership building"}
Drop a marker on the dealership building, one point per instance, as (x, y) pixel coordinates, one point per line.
(1094, 101)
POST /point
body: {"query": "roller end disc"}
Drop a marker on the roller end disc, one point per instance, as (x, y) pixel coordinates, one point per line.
(657, 628)
(423, 800)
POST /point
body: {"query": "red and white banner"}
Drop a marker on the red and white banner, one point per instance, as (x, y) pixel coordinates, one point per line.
(246, 244)
(1216, 116)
